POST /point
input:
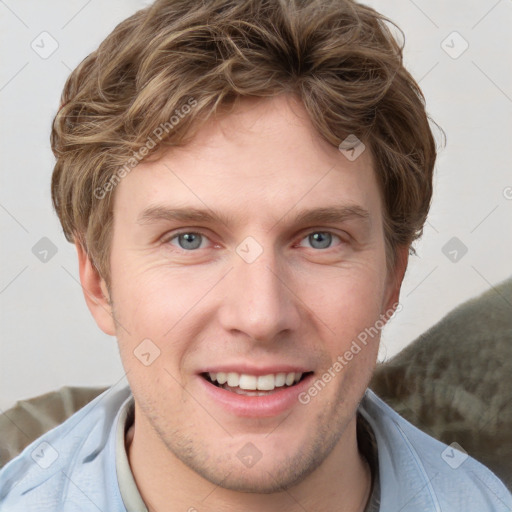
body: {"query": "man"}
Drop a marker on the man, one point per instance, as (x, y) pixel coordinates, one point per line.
(243, 182)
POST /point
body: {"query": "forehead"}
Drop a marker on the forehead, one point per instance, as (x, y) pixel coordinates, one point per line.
(262, 161)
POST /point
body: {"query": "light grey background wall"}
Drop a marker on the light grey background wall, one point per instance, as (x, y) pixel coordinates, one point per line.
(459, 51)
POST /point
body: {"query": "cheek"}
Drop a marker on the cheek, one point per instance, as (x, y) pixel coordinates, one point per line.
(347, 302)
(155, 297)
(160, 304)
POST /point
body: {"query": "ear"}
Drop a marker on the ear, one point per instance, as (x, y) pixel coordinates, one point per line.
(395, 277)
(95, 292)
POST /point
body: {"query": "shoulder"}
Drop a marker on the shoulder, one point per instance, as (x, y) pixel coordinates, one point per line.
(73, 460)
(418, 472)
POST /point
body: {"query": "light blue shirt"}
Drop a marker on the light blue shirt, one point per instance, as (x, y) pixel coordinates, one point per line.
(72, 468)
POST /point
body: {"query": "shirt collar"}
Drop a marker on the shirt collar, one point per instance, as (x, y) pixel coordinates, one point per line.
(128, 488)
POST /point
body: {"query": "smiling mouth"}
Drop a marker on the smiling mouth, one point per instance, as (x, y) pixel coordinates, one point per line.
(252, 385)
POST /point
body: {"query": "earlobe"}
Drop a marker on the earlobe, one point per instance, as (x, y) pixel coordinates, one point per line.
(95, 292)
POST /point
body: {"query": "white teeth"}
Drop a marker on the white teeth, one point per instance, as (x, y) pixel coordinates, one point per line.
(222, 377)
(266, 382)
(249, 382)
(252, 382)
(290, 379)
(233, 379)
(280, 380)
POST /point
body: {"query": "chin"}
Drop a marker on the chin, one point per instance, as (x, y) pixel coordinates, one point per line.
(257, 480)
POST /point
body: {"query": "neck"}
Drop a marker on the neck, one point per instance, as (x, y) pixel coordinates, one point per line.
(342, 482)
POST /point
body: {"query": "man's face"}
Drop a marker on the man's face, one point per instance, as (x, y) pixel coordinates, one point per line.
(257, 293)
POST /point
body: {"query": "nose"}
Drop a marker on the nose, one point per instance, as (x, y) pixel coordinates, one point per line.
(259, 300)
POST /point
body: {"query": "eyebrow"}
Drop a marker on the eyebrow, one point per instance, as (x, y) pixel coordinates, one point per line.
(331, 214)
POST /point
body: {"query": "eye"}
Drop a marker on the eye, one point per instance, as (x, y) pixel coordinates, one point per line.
(320, 239)
(188, 240)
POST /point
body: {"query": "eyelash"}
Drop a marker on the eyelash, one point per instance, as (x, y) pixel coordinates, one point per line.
(168, 239)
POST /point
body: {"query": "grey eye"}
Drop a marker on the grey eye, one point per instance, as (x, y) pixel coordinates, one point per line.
(320, 239)
(189, 240)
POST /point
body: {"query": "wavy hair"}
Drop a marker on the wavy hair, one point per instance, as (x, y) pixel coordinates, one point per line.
(338, 57)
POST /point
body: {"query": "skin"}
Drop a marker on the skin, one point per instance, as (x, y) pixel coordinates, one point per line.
(297, 303)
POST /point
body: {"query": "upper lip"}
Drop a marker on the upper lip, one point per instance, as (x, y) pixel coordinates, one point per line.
(248, 369)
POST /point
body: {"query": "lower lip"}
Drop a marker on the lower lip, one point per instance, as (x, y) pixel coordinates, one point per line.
(256, 406)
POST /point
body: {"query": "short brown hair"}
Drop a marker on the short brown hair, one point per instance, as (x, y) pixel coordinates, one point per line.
(338, 57)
